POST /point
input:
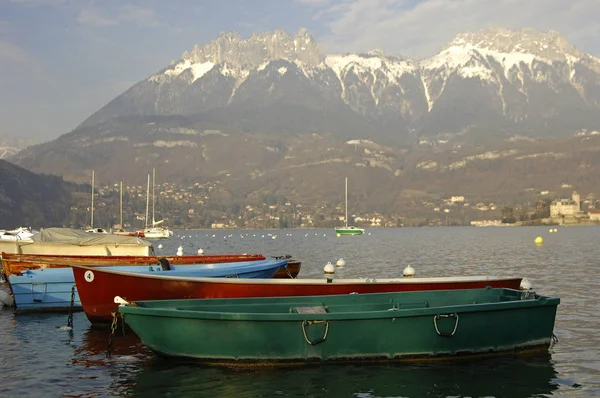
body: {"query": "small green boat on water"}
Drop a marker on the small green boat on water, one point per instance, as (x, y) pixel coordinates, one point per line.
(348, 230)
(355, 327)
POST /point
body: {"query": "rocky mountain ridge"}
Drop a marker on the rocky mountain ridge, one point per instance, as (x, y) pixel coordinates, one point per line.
(504, 81)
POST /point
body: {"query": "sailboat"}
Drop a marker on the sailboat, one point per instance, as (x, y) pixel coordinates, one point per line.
(121, 231)
(155, 232)
(91, 228)
(348, 230)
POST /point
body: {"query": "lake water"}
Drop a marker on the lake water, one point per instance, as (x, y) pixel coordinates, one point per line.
(39, 358)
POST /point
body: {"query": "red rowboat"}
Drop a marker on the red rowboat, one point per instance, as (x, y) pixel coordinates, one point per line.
(97, 287)
(15, 263)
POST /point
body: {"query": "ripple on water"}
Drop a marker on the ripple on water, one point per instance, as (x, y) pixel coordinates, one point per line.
(38, 358)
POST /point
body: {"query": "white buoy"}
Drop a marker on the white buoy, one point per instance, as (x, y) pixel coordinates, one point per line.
(180, 251)
(329, 268)
(341, 263)
(555, 230)
(160, 246)
(409, 271)
(200, 251)
(525, 284)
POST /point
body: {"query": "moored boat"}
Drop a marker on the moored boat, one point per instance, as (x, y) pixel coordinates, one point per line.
(97, 295)
(20, 233)
(157, 233)
(356, 327)
(351, 230)
(51, 289)
(348, 230)
(14, 264)
(66, 241)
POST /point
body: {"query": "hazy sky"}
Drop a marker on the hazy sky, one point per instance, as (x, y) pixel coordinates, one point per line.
(61, 60)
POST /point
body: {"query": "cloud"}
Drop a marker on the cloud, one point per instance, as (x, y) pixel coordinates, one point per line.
(314, 3)
(420, 28)
(94, 18)
(125, 14)
(13, 54)
(34, 3)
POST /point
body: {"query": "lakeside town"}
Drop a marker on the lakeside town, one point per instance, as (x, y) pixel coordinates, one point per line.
(196, 206)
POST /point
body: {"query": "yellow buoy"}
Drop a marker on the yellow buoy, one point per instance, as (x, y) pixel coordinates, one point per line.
(539, 240)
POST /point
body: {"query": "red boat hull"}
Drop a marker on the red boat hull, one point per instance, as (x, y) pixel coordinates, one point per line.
(98, 290)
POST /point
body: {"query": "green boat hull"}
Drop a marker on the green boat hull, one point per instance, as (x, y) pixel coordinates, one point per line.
(379, 327)
(349, 231)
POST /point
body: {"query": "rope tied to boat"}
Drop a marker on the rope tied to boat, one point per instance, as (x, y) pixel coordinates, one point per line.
(288, 272)
(113, 329)
(71, 305)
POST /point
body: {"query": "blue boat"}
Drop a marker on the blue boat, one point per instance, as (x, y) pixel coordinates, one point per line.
(50, 289)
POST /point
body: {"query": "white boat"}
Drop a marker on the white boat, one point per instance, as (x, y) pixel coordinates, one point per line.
(121, 231)
(21, 233)
(348, 230)
(97, 230)
(66, 241)
(91, 229)
(154, 232)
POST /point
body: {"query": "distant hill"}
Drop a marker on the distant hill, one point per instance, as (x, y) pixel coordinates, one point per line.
(29, 199)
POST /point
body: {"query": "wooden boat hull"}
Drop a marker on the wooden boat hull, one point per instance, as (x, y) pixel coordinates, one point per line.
(379, 327)
(14, 264)
(50, 289)
(97, 296)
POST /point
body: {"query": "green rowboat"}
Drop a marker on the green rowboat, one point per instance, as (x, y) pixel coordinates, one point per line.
(355, 327)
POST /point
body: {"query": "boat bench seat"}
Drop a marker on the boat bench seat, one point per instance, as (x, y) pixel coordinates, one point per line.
(370, 307)
(309, 310)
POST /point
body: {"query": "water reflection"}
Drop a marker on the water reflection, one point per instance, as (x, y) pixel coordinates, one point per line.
(92, 349)
(40, 358)
(504, 377)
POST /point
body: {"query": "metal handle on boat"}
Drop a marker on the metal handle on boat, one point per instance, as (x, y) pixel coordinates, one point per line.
(308, 323)
(435, 318)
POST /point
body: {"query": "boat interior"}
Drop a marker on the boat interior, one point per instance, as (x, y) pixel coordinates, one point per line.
(343, 304)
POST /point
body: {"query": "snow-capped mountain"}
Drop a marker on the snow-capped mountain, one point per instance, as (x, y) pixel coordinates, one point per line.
(497, 80)
(270, 113)
(527, 78)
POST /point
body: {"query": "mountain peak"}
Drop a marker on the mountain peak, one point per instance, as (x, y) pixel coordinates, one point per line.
(259, 48)
(549, 45)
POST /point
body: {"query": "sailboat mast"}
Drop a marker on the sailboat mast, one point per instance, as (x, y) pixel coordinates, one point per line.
(121, 205)
(92, 218)
(153, 182)
(147, 201)
(346, 217)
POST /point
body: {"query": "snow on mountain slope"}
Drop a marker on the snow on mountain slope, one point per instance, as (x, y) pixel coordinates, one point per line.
(489, 76)
(498, 56)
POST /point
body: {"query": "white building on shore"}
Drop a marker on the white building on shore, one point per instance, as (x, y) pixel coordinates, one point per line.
(566, 207)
